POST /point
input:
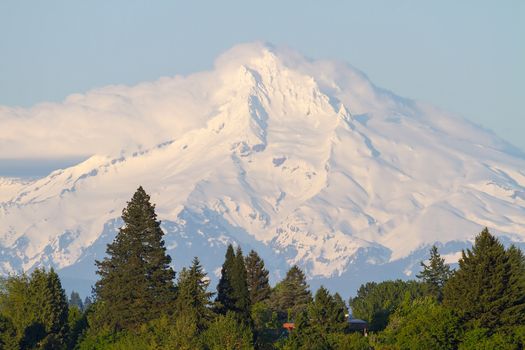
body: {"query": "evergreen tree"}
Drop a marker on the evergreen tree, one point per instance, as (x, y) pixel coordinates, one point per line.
(326, 313)
(292, 295)
(481, 290)
(49, 306)
(136, 280)
(240, 287)
(257, 278)
(193, 296)
(225, 297)
(75, 300)
(435, 274)
(514, 314)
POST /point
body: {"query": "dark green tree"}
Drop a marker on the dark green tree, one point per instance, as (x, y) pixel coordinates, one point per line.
(193, 295)
(136, 280)
(240, 287)
(292, 295)
(481, 290)
(75, 300)
(435, 274)
(326, 313)
(225, 294)
(514, 314)
(257, 278)
(232, 291)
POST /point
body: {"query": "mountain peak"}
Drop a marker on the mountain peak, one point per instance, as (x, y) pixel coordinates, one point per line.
(305, 161)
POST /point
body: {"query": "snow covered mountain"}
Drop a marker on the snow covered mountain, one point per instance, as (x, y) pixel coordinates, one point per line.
(305, 161)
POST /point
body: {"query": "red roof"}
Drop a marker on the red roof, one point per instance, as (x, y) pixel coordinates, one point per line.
(289, 325)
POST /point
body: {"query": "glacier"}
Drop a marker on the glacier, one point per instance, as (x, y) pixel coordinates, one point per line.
(305, 161)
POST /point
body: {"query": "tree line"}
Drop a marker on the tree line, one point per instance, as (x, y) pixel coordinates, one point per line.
(139, 302)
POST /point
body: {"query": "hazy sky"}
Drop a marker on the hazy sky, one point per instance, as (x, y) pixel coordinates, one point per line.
(467, 57)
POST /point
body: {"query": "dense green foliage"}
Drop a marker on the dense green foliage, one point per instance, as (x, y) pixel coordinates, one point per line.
(34, 312)
(138, 306)
(376, 301)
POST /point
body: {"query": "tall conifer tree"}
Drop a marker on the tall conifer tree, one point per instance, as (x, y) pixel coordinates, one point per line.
(292, 295)
(257, 278)
(240, 287)
(326, 313)
(193, 295)
(481, 289)
(136, 283)
(436, 273)
(225, 298)
(232, 291)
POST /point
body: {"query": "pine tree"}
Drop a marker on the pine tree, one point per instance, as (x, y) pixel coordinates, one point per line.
(136, 280)
(292, 295)
(225, 298)
(257, 278)
(481, 291)
(193, 296)
(435, 274)
(74, 300)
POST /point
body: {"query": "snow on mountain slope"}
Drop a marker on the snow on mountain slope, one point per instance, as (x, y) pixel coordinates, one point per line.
(306, 161)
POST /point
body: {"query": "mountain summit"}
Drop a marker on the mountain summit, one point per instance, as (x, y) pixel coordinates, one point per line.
(305, 161)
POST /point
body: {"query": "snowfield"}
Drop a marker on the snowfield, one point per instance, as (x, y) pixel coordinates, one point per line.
(305, 161)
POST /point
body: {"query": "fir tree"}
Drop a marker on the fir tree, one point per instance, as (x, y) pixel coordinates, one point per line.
(240, 287)
(225, 298)
(232, 290)
(74, 300)
(435, 274)
(326, 313)
(193, 296)
(136, 283)
(292, 295)
(257, 278)
(514, 314)
(481, 290)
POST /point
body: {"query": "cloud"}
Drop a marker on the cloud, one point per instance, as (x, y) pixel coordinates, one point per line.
(106, 120)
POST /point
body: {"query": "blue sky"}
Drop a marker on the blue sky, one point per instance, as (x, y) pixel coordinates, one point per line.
(467, 57)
